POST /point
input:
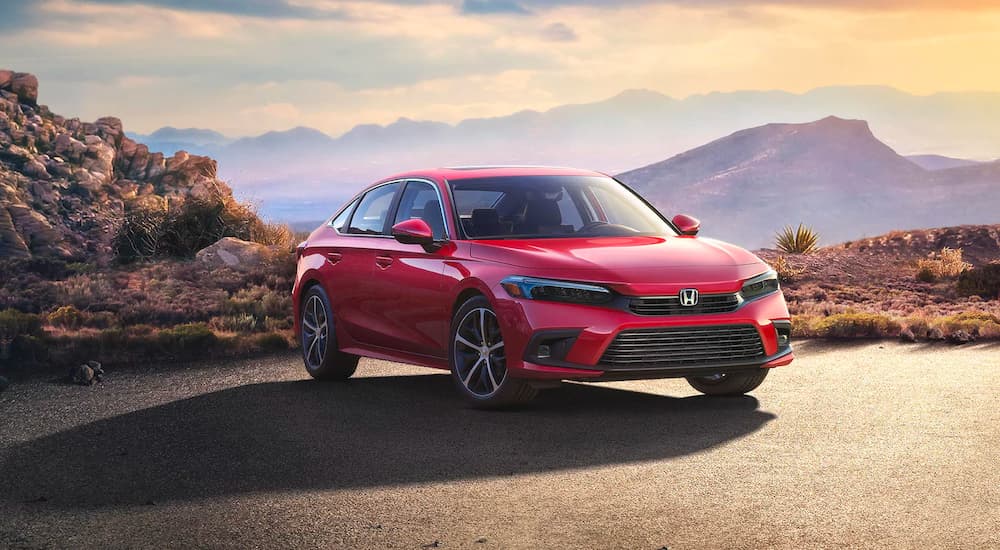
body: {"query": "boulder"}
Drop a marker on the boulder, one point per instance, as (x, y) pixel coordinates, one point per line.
(25, 85)
(961, 337)
(82, 375)
(35, 169)
(68, 147)
(233, 253)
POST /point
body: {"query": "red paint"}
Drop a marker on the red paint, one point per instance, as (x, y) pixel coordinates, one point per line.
(688, 225)
(393, 300)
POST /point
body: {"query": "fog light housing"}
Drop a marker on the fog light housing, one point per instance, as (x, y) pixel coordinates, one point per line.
(544, 351)
(550, 347)
(783, 331)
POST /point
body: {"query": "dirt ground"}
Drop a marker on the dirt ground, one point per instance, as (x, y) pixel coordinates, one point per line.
(867, 445)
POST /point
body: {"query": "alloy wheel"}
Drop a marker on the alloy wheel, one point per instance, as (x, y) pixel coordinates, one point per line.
(315, 332)
(480, 362)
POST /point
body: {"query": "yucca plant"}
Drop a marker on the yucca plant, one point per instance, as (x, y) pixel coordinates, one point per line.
(801, 240)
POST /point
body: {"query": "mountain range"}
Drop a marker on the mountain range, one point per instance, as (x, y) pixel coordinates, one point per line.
(303, 174)
(64, 180)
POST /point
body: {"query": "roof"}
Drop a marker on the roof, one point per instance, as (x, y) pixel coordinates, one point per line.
(467, 172)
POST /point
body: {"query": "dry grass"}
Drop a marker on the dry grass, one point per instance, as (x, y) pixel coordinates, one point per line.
(946, 264)
(156, 310)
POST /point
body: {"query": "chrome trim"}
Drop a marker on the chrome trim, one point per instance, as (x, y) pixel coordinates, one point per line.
(359, 196)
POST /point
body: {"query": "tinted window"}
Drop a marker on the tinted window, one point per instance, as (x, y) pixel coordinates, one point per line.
(552, 206)
(369, 217)
(340, 222)
(420, 201)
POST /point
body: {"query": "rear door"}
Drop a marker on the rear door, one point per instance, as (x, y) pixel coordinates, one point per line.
(361, 241)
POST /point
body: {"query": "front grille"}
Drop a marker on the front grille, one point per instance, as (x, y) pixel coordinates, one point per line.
(671, 305)
(674, 347)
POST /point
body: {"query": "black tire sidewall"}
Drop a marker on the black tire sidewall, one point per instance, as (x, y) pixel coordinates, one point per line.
(336, 364)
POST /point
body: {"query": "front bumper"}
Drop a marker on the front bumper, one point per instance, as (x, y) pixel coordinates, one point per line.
(580, 335)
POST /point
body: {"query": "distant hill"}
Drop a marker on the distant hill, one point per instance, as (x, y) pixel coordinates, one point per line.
(634, 128)
(832, 174)
(939, 162)
(169, 140)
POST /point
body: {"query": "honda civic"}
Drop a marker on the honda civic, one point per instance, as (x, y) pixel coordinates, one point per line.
(519, 278)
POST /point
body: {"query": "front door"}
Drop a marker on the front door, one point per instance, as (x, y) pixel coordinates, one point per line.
(409, 289)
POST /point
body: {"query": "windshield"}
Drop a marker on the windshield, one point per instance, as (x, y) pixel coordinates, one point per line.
(531, 207)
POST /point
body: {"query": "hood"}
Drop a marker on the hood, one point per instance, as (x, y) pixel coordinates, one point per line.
(642, 265)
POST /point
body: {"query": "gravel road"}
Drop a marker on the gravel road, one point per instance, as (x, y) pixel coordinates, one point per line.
(868, 445)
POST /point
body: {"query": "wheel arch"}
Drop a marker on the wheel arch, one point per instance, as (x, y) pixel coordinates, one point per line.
(307, 283)
(469, 289)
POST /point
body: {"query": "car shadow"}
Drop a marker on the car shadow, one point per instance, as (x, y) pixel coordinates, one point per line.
(304, 435)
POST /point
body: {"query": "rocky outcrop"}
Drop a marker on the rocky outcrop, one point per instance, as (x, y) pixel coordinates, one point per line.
(65, 184)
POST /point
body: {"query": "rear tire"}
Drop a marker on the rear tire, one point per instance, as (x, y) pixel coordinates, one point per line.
(320, 353)
(478, 359)
(728, 384)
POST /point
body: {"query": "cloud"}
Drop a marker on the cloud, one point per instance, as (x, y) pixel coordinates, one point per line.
(559, 32)
(493, 7)
(249, 8)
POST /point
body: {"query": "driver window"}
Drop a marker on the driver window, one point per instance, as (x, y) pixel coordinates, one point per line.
(420, 201)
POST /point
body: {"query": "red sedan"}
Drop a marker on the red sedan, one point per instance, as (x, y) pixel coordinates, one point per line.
(516, 278)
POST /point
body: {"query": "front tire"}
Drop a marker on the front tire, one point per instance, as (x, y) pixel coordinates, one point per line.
(323, 359)
(478, 359)
(728, 384)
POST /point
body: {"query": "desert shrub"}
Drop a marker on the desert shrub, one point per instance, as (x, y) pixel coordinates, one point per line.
(785, 270)
(944, 265)
(271, 341)
(190, 224)
(67, 317)
(983, 281)
(186, 337)
(278, 323)
(239, 323)
(801, 240)
(100, 319)
(857, 325)
(925, 274)
(16, 326)
(272, 234)
(976, 323)
(138, 236)
(919, 326)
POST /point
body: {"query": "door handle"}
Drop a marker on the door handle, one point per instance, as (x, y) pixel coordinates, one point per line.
(383, 261)
(334, 257)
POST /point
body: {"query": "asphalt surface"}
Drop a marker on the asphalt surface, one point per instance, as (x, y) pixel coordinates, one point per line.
(873, 445)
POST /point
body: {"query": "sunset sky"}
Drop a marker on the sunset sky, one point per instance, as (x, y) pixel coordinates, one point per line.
(245, 67)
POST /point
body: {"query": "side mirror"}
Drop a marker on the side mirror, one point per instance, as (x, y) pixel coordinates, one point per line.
(688, 225)
(415, 231)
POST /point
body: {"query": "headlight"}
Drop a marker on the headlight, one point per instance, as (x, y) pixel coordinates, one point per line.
(555, 291)
(758, 286)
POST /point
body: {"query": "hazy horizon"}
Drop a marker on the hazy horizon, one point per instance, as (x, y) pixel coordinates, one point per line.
(245, 68)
